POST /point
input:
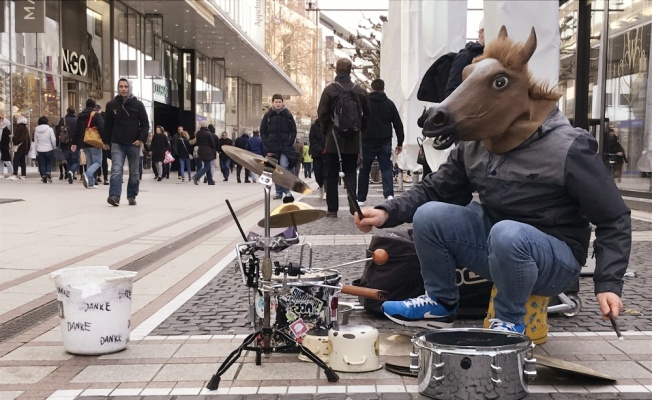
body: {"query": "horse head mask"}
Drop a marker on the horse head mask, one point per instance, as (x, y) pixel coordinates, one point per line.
(498, 102)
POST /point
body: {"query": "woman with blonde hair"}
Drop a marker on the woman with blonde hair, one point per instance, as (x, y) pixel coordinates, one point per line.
(183, 155)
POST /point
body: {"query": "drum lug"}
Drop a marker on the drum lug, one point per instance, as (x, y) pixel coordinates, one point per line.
(530, 367)
(438, 366)
(496, 371)
(414, 362)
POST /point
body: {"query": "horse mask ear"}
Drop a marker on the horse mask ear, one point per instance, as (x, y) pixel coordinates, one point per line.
(529, 47)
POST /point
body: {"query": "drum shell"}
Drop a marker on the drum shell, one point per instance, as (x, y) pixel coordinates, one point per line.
(354, 348)
(446, 371)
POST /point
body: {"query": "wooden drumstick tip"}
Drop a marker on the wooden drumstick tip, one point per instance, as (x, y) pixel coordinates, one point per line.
(380, 256)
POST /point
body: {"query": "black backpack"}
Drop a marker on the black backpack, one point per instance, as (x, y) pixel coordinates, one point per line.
(401, 276)
(64, 134)
(347, 115)
(433, 84)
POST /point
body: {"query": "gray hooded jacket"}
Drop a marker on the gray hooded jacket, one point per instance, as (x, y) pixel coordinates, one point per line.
(554, 181)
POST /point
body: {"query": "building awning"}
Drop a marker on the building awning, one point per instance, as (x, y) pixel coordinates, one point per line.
(202, 25)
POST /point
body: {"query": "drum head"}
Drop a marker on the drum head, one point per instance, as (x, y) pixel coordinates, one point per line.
(471, 338)
(325, 276)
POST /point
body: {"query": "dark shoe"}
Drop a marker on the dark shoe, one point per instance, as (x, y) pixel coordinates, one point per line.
(132, 201)
(49, 178)
(71, 177)
(331, 214)
(211, 183)
(113, 200)
(194, 180)
(44, 179)
(225, 180)
(247, 181)
(106, 182)
(159, 179)
(60, 177)
(85, 181)
(239, 180)
(205, 180)
(98, 180)
(288, 198)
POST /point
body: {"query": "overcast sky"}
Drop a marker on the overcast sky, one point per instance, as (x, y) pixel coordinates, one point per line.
(355, 10)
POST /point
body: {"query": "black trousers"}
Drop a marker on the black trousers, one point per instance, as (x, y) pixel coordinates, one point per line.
(349, 165)
(318, 169)
(238, 169)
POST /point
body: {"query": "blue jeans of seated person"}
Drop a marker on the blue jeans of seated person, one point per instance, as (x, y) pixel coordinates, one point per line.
(384, 154)
(93, 163)
(520, 259)
(120, 153)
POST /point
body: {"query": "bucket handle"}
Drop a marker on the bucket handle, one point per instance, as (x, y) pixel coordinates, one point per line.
(346, 360)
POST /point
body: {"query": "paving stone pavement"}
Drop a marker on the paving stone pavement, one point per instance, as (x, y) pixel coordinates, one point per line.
(371, 396)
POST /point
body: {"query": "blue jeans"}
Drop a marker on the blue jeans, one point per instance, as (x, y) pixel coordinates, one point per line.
(520, 259)
(225, 167)
(72, 160)
(284, 162)
(44, 159)
(204, 168)
(184, 165)
(384, 154)
(93, 163)
(120, 152)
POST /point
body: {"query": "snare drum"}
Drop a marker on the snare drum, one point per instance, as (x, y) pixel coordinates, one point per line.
(305, 298)
(472, 363)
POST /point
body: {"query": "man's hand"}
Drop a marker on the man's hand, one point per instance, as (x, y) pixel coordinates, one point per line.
(105, 147)
(73, 147)
(609, 302)
(371, 217)
(398, 149)
(137, 143)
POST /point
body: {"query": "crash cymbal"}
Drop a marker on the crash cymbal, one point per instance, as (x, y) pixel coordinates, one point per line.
(256, 164)
(292, 214)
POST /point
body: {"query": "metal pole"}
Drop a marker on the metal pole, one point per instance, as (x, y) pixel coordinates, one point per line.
(583, 64)
(603, 134)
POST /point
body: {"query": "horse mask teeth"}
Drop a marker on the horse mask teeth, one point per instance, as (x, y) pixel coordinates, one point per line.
(442, 142)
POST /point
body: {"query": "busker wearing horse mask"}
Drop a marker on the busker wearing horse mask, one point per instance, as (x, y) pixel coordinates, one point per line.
(540, 183)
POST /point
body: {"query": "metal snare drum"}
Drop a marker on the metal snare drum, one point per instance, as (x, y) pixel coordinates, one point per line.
(311, 298)
(472, 363)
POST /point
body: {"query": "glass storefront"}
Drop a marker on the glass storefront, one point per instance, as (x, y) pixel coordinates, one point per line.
(626, 85)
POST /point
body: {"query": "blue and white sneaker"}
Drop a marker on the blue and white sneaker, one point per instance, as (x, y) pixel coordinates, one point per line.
(500, 325)
(422, 312)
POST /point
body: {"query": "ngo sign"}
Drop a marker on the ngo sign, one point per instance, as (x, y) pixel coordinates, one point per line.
(161, 91)
(74, 63)
(30, 16)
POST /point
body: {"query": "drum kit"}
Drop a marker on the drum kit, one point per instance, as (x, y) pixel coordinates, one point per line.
(290, 302)
(286, 299)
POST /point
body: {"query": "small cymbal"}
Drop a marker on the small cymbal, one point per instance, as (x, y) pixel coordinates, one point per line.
(292, 214)
(257, 164)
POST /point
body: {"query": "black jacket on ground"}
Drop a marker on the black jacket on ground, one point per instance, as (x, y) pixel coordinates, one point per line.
(384, 115)
(126, 121)
(71, 122)
(351, 143)
(462, 59)
(82, 121)
(278, 131)
(317, 141)
(206, 144)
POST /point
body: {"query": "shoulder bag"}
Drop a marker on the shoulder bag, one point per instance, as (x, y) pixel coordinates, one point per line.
(91, 134)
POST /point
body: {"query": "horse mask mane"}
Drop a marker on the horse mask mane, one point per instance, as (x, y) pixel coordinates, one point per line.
(498, 102)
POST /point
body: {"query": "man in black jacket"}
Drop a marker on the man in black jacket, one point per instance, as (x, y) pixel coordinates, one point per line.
(377, 141)
(225, 161)
(278, 131)
(126, 129)
(69, 148)
(241, 143)
(349, 144)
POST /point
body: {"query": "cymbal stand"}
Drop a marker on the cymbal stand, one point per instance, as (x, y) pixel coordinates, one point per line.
(266, 286)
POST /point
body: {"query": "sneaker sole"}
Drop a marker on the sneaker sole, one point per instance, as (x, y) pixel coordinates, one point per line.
(85, 181)
(422, 323)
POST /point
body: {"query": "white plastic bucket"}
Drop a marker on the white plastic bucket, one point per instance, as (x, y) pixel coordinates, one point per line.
(94, 308)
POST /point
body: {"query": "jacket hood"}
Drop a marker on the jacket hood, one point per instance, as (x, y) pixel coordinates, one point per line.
(377, 96)
(555, 119)
(475, 46)
(42, 128)
(130, 95)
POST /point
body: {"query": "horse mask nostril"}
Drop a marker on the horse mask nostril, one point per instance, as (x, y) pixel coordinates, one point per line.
(439, 118)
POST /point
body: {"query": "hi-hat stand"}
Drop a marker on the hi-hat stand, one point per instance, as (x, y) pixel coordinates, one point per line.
(265, 334)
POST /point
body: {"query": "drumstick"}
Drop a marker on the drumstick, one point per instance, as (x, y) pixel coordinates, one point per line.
(367, 293)
(614, 324)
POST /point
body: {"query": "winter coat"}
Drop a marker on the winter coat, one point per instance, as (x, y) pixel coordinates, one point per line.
(5, 145)
(44, 139)
(159, 146)
(241, 142)
(614, 148)
(183, 148)
(317, 140)
(305, 156)
(223, 142)
(82, 122)
(71, 122)
(125, 121)
(256, 146)
(351, 143)
(384, 115)
(279, 131)
(462, 59)
(555, 181)
(21, 139)
(205, 141)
